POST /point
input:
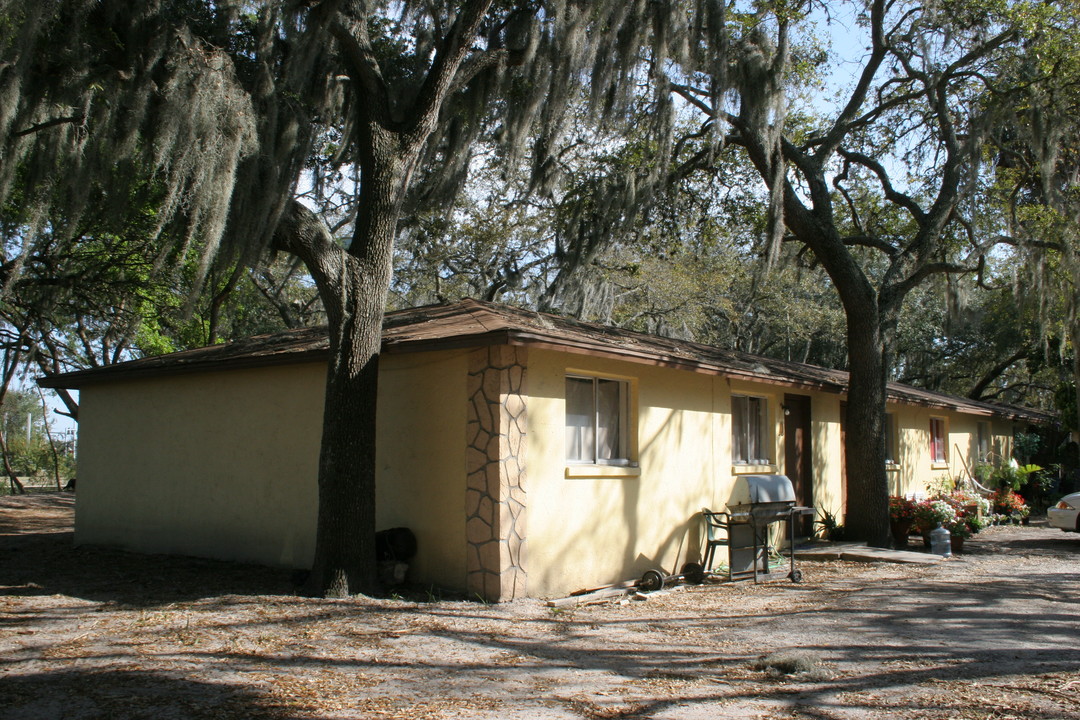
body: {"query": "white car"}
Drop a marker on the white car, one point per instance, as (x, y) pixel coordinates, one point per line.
(1066, 514)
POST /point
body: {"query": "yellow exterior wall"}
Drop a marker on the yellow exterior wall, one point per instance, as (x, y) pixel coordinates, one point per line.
(224, 464)
(211, 464)
(916, 472)
(421, 459)
(827, 454)
(601, 525)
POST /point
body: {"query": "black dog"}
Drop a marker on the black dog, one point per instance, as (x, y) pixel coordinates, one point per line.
(396, 545)
(394, 548)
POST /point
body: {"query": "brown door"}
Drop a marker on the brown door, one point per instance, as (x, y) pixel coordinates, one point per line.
(798, 453)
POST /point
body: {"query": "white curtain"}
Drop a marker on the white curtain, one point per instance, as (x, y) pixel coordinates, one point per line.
(580, 433)
(608, 432)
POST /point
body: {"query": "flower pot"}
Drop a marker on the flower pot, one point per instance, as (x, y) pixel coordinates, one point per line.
(900, 530)
(957, 544)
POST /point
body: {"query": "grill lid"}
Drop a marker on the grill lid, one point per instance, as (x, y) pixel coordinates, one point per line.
(758, 489)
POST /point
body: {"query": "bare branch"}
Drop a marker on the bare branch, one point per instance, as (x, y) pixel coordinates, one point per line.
(362, 67)
(925, 271)
(840, 128)
(442, 76)
(50, 123)
(692, 96)
(891, 193)
(872, 241)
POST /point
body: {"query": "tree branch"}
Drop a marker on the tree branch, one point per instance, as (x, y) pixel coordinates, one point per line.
(50, 123)
(977, 391)
(362, 67)
(301, 233)
(872, 241)
(441, 78)
(690, 95)
(840, 128)
(475, 65)
(891, 193)
(902, 288)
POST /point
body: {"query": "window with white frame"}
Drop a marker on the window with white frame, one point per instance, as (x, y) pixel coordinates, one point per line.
(891, 455)
(983, 449)
(597, 420)
(748, 437)
(939, 449)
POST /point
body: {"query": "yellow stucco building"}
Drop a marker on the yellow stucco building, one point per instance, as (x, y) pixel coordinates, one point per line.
(531, 455)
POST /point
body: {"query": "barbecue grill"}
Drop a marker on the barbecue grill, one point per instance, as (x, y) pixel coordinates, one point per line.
(757, 502)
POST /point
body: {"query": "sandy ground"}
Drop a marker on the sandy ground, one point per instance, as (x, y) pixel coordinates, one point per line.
(90, 633)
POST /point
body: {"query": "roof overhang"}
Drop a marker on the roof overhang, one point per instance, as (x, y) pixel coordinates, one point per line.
(473, 324)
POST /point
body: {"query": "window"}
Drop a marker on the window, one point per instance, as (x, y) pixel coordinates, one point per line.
(748, 422)
(984, 440)
(938, 444)
(597, 413)
(891, 456)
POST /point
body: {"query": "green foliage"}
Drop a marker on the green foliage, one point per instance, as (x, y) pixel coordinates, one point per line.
(28, 445)
(830, 526)
(1025, 445)
(1010, 477)
(1065, 401)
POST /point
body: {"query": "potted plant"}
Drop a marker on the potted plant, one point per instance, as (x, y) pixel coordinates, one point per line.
(970, 507)
(959, 531)
(831, 529)
(1011, 476)
(931, 513)
(1010, 504)
(901, 518)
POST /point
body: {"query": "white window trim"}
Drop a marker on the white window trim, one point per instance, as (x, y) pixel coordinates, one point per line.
(765, 435)
(892, 442)
(936, 463)
(980, 456)
(580, 468)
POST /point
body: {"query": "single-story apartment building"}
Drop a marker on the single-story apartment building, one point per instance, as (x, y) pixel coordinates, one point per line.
(531, 454)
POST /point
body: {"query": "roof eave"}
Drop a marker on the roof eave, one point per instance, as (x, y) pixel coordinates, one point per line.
(99, 376)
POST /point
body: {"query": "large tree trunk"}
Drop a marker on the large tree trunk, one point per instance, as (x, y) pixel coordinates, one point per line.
(354, 292)
(868, 484)
(16, 486)
(1076, 367)
(353, 285)
(345, 543)
(869, 344)
(391, 132)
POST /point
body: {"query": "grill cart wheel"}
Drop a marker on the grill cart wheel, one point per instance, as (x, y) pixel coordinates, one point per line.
(796, 576)
(693, 573)
(651, 581)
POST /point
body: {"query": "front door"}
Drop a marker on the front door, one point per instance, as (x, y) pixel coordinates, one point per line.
(798, 454)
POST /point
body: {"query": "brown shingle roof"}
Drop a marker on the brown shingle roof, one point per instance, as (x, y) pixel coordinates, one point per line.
(471, 323)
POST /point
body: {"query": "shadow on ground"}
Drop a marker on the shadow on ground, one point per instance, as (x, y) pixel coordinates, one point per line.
(132, 695)
(38, 557)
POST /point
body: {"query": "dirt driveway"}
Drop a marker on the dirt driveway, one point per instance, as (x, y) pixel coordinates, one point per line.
(88, 633)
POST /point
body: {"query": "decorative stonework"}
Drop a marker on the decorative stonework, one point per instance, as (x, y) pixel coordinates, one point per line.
(495, 467)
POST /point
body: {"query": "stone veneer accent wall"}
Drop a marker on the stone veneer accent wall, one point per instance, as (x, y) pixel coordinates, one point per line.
(495, 466)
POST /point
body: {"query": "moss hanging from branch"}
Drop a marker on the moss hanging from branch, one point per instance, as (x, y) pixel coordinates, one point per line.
(88, 88)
